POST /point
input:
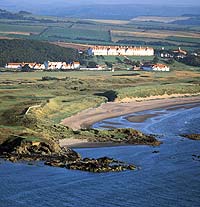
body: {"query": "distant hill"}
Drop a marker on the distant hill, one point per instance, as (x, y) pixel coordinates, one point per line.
(24, 13)
(193, 20)
(97, 11)
(21, 15)
(9, 15)
(34, 51)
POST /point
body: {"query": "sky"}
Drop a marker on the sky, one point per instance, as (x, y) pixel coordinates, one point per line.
(161, 2)
(72, 2)
(91, 8)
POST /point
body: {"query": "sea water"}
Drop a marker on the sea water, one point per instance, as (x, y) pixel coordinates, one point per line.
(170, 177)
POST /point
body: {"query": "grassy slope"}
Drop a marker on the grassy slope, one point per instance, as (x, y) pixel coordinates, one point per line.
(73, 92)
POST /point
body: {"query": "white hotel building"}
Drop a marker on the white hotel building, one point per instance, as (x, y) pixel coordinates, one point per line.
(120, 50)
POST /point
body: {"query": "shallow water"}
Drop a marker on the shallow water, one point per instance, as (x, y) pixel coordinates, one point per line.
(168, 178)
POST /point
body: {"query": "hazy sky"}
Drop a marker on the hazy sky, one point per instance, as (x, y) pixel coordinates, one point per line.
(160, 2)
(180, 2)
(91, 8)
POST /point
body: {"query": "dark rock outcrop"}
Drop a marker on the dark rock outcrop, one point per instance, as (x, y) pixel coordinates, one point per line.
(192, 136)
(156, 151)
(103, 164)
(123, 136)
(100, 165)
(18, 149)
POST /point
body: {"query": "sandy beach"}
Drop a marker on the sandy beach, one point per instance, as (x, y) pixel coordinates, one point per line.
(88, 117)
(112, 109)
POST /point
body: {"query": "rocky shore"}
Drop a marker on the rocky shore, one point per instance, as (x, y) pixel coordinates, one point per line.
(20, 149)
(192, 136)
(113, 137)
(124, 136)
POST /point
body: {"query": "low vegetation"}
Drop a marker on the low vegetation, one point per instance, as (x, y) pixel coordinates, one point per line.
(61, 94)
(157, 90)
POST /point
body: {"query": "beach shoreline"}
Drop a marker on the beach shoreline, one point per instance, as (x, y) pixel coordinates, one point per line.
(86, 118)
(107, 110)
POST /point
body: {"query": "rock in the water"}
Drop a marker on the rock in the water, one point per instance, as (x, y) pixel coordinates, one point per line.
(124, 136)
(100, 165)
(19, 148)
(155, 151)
(191, 136)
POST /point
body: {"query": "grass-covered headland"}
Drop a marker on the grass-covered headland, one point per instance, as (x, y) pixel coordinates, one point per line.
(31, 106)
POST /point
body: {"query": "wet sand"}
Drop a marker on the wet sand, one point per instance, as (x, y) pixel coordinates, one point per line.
(87, 117)
(83, 143)
(140, 118)
(90, 116)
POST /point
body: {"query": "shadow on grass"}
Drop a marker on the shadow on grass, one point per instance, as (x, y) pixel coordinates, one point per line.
(132, 74)
(110, 95)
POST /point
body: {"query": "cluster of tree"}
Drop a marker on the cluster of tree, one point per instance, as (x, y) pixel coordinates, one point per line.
(109, 64)
(140, 42)
(191, 60)
(34, 51)
(91, 64)
(90, 39)
(169, 61)
(132, 62)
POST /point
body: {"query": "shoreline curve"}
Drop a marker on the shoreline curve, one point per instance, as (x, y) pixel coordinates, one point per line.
(86, 118)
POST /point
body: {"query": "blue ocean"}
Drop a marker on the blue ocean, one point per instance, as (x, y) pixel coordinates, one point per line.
(168, 178)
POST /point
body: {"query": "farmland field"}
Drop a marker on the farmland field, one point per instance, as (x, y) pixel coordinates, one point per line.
(184, 39)
(8, 27)
(158, 19)
(151, 31)
(71, 33)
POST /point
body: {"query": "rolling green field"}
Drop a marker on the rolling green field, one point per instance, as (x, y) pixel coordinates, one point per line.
(108, 32)
(76, 34)
(61, 94)
(185, 39)
(71, 92)
(20, 27)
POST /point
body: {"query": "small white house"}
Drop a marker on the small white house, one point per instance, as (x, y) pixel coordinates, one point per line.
(66, 66)
(61, 65)
(14, 65)
(155, 67)
(39, 67)
(120, 50)
(53, 65)
(75, 65)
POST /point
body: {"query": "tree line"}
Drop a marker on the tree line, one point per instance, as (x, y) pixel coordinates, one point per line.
(34, 51)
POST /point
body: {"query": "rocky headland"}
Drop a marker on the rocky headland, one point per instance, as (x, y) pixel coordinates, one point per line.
(20, 149)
